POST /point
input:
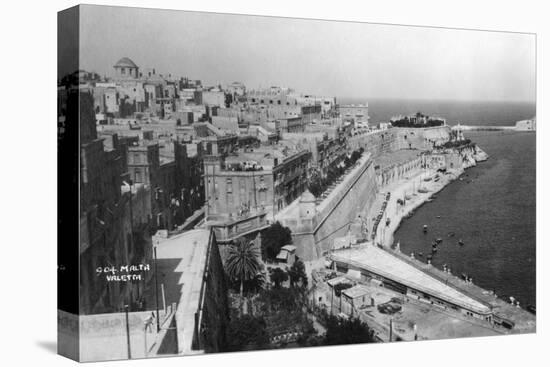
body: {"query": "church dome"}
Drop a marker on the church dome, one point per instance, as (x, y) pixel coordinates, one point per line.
(125, 62)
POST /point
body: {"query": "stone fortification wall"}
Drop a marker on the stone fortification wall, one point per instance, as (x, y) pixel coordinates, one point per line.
(393, 139)
(313, 233)
(336, 217)
(408, 138)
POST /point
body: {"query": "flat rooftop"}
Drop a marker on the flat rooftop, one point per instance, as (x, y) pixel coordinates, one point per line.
(181, 264)
(381, 262)
(358, 290)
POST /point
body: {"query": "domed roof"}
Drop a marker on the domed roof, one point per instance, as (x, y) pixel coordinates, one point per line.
(307, 197)
(125, 62)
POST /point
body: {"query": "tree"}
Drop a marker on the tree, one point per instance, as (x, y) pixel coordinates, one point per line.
(273, 238)
(316, 183)
(355, 156)
(297, 272)
(281, 300)
(316, 186)
(347, 331)
(256, 284)
(246, 333)
(278, 276)
(243, 262)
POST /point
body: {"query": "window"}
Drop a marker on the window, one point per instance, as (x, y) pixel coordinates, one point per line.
(229, 184)
(122, 70)
(137, 175)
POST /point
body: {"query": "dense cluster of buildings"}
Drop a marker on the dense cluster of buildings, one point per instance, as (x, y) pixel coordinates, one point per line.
(161, 152)
(229, 155)
(170, 168)
(165, 154)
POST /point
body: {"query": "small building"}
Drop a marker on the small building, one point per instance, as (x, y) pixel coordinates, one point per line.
(287, 255)
(354, 298)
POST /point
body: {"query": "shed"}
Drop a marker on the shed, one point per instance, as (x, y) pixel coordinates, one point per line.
(287, 254)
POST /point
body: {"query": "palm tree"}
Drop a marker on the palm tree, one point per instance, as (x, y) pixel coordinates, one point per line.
(243, 261)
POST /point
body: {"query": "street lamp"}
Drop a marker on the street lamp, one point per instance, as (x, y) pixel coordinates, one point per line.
(156, 288)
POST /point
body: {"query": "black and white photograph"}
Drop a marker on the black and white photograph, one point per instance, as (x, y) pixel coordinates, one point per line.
(282, 183)
(250, 182)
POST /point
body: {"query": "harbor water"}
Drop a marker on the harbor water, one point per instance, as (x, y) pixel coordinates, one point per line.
(492, 211)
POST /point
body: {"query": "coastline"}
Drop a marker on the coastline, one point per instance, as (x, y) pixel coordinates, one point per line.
(523, 320)
(407, 188)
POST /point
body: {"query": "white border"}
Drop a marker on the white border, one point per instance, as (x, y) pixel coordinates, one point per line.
(28, 270)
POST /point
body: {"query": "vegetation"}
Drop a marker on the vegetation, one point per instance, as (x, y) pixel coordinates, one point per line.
(278, 316)
(456, 143)
(243, 262)
(246, 332)
(251, 286)
(297, 273)
(347, 331)
(418, 120)
(273, 238)
(318, 184)
(280, 299)
(274, 313)
(278, 276)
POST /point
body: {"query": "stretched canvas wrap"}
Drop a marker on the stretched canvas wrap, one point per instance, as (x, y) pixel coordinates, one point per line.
(236, 182)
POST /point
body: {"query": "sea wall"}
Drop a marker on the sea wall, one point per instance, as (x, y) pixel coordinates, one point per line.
(313, 234)
(314, 231)
(390, 140)
(337, 216)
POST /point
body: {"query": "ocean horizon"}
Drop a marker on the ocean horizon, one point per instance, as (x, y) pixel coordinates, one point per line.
(484, 113)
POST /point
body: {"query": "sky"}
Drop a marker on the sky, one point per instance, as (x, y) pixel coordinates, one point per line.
(341, 59)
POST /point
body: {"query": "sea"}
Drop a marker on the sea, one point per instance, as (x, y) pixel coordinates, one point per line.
(463, 112)
(492, 210)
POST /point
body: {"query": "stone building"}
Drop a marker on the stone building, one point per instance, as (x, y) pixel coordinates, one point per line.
(358, 114)
(241, 189)
(126, 69)
(114, 217)
(144, 162)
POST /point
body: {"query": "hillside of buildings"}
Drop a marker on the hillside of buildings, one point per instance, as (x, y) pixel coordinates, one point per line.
(175, 174)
